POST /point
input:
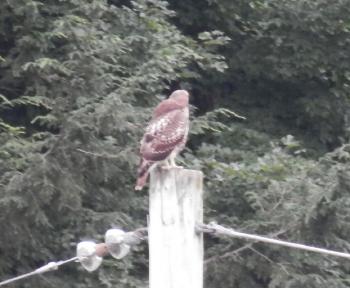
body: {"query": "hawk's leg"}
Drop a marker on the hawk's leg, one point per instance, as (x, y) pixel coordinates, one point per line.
(166, 164)
(172, 161)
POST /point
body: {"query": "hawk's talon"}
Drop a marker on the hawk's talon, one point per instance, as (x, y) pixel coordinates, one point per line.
(166, 167)
(178, 167)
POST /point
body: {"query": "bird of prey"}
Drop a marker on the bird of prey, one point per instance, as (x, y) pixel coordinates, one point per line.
(165, 135)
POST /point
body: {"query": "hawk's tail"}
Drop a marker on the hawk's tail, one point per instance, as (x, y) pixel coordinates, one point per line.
(142, 173)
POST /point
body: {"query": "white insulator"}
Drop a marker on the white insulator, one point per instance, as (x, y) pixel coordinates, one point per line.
(86, 253)
(114, 239)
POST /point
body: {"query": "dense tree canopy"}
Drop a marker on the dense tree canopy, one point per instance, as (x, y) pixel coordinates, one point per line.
(78, 80)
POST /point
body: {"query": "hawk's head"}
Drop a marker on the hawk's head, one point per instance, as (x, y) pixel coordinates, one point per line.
(180, 96)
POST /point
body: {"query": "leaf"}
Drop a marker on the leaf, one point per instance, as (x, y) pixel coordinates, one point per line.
(48, 120)
(4, 127)
(38, 101)
(5, 101)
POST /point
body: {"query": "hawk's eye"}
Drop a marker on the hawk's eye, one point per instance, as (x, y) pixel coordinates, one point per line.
(148, 138)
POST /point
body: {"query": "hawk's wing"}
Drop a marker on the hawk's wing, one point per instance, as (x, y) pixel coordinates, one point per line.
(164, 134)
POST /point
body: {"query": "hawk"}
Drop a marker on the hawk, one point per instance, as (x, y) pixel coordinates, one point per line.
(165, 135)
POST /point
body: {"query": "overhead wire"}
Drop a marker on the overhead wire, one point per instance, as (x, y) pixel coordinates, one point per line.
(213, 228)
(43, 269)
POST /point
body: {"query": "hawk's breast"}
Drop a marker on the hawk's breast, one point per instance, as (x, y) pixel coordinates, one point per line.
(164, 134)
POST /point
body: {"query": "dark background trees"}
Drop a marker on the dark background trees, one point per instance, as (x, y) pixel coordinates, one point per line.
(78, 80)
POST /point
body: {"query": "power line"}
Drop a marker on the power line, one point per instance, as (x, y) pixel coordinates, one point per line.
(213, 228)
(43, 269)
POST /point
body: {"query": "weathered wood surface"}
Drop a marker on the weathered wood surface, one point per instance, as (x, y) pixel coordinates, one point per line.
(176, 250)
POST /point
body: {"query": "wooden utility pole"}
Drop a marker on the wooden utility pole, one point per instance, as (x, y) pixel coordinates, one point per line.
(176, 250)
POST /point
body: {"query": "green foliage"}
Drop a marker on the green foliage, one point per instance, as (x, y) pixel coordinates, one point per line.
(278, 194)
(287, 58)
